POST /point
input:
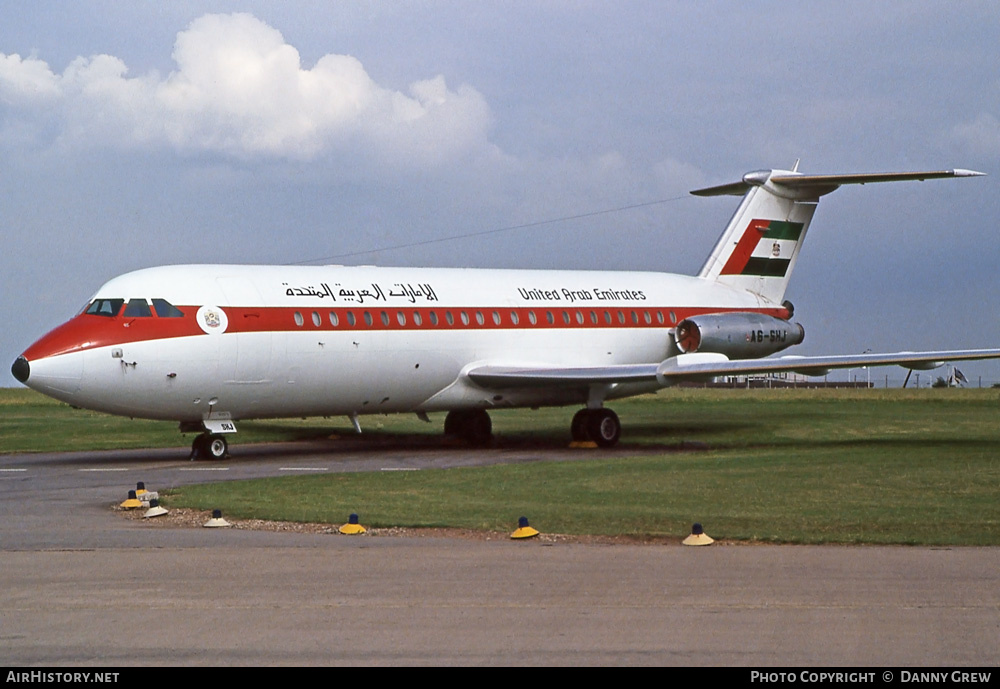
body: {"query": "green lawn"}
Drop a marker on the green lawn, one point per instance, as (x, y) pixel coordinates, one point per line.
(803, 466)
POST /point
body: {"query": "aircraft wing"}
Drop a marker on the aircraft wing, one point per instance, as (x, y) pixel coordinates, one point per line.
(676, 369)
(526, 377)
(700, 366)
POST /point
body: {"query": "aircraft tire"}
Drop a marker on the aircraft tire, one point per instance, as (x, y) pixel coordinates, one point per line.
(454, 422)
(216, 447)
(478, 428)
(578, 426)
(604, 427)
(209, 446)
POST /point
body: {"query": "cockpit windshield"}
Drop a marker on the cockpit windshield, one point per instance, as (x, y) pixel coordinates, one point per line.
(164, 309)
(136, 308)
(105, 307)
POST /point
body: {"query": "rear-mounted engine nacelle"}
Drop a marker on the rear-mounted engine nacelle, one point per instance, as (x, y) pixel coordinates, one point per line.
(737, 335)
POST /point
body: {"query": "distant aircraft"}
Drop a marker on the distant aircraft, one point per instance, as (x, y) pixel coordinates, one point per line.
(211, 345)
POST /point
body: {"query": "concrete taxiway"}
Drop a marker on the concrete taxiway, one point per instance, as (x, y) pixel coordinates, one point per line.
(79, 585)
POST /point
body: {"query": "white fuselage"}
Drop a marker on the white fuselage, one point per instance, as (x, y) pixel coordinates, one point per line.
(281, 341)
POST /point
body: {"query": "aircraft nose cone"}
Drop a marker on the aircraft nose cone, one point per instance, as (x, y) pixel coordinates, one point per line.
(21, 369)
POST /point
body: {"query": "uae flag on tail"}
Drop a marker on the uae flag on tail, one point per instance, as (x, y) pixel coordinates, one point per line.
(765, 249)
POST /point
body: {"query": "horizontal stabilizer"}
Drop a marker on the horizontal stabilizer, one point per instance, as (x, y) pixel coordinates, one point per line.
(824, 184)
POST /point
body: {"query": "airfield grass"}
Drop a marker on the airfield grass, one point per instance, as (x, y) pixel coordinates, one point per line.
(792, 466)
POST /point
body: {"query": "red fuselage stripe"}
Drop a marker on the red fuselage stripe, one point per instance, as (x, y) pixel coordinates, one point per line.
(90, 331)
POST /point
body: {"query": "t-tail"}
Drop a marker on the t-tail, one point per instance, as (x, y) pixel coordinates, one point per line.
(758, 249)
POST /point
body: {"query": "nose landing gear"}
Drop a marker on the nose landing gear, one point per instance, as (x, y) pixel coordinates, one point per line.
(210, 443)
(209, 446)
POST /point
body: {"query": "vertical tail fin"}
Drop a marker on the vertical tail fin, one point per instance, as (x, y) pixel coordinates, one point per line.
(759, 247)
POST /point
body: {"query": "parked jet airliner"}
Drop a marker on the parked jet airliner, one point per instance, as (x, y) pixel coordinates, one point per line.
(210, 345)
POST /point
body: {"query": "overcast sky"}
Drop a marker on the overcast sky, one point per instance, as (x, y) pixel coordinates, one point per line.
(134, 134)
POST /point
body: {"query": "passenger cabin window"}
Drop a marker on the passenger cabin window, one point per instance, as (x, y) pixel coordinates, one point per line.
(164, 309)
(138, 308)
(105, 307)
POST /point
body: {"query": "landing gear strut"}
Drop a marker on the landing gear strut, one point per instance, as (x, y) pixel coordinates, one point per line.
(472, 425)
(209, 446)
(599, 425)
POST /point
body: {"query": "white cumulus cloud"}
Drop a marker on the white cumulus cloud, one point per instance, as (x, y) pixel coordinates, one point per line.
(239, 89)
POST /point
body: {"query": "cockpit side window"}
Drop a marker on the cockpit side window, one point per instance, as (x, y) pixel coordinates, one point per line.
(137, 308)
(105, 307)
(164, 309)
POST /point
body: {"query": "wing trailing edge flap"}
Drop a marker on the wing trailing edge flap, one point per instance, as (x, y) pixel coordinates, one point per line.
(526, 377)
(699, 366)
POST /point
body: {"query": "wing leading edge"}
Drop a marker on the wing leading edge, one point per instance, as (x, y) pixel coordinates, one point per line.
(697, 366)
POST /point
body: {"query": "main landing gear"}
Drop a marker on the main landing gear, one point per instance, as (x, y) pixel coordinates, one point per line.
(598, 425)
(472, 425)
(209, 446)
